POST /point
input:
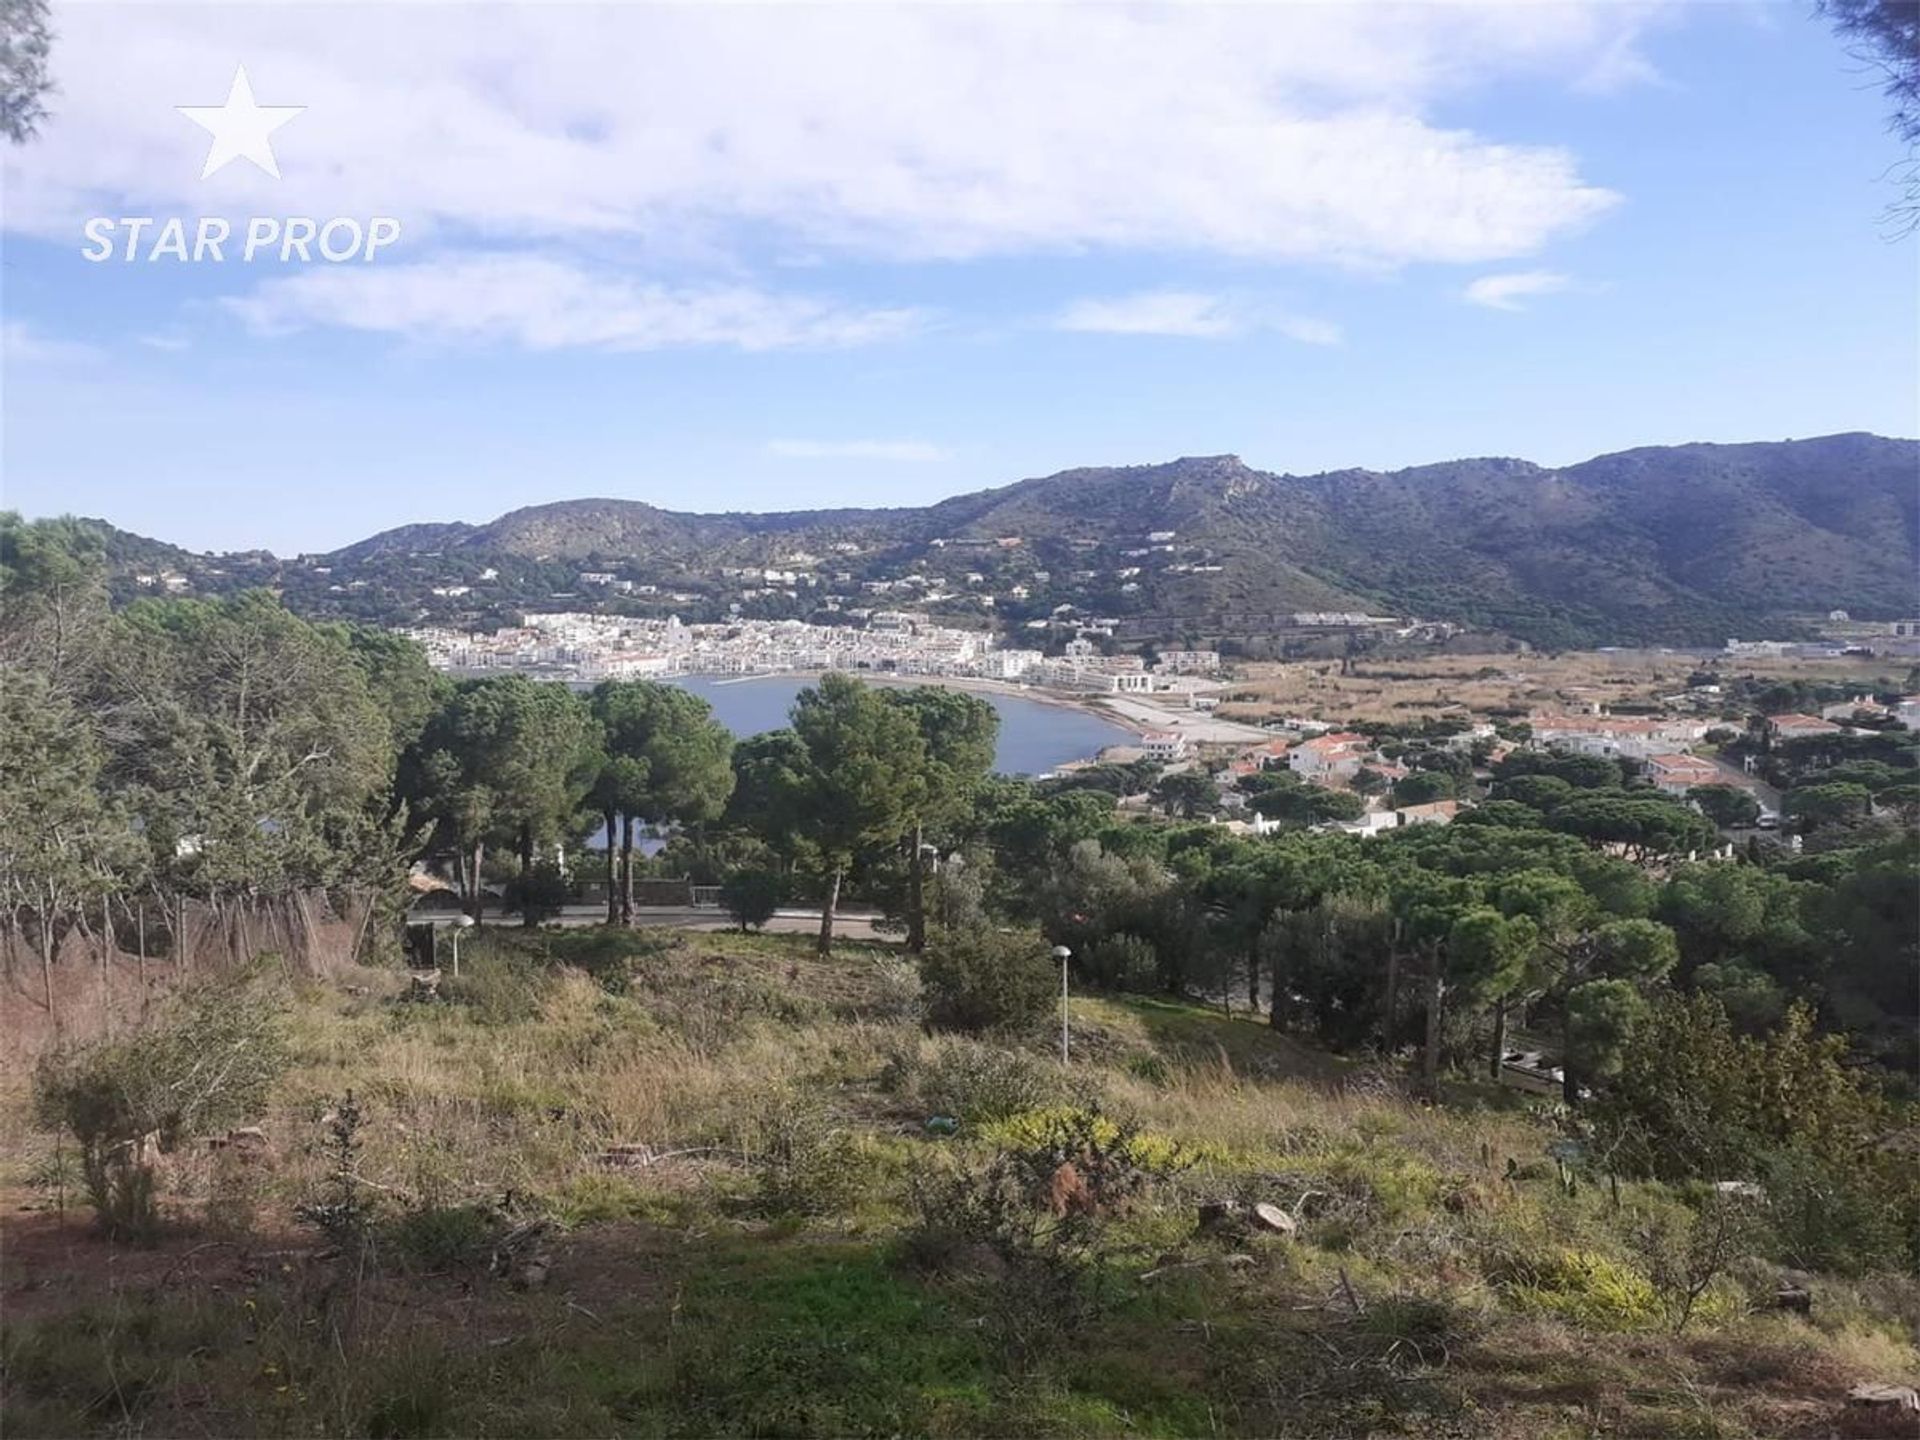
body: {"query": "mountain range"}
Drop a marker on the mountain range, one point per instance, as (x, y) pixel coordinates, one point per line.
(1686, 543)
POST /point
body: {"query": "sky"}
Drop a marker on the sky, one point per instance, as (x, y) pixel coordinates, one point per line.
(778, 257)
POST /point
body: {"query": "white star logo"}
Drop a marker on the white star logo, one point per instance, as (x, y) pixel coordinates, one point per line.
(240, 128)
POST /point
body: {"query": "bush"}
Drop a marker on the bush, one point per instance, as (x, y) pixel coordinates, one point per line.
(1826, 1215)
(539, 894)
(805, 1161)
(896, 990)
(497, 984)
(984, 1082)
(981, 980)
(1122, 962)
(443, 1237)
(208, 1063)
(1113, 1155)
(1587, 1288)
(610, 954)
(1035, 1276)
(752, 896)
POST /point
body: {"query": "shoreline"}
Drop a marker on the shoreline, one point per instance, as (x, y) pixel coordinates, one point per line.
(1091, 705)
(1067, 700)
(1124, 718)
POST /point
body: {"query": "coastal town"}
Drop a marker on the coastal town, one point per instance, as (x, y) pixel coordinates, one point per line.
(574, 645)
(1693, 744)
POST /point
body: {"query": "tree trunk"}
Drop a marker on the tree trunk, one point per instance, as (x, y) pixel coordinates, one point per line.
(1430, 1054)
(1499, 1038)
(917, 895)
(475, 899)
(613, 896)
(526, 874)
(1280, 982)
(1569, 1082)
(1253, 976)
(1389, 1030)
(626, 869)
(827, 907)
(106, 964)
(46, 961)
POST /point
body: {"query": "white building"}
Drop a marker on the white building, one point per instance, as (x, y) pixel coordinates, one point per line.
(1190, 662)
(1677, 774)
(1164, 745)
(1328, 757)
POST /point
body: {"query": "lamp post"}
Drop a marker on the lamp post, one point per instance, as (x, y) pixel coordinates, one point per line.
(465, 922)
(1063, 955)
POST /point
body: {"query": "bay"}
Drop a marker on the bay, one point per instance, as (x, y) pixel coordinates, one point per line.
(1036, 736)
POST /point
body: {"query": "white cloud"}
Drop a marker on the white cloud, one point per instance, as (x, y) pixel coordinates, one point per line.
(1154, 312)
(898, 450)
(1308, 331)
(1506, 292)
(23, 344)
(538, 303)
(1301, 132)
(1191, 315)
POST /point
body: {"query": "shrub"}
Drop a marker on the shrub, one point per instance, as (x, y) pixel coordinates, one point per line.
(1034, 1274)
(1113, 1162)
(611, 955)
(539, 894)
(498, 985)
(341, 1209)
(804, 1162)
(208, 1063)
(896, 990)
(980, 980)
(443, 1237)
(1584, 1287)
(1683, 1260)
(1826, 1215)
(752, 896)
(984, 1082)
(1123, 962)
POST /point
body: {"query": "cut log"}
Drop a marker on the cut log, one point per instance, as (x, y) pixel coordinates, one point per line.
(1274, 1219)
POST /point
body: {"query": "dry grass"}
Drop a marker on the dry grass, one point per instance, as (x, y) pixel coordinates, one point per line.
(1406, 690)
(679, 1305)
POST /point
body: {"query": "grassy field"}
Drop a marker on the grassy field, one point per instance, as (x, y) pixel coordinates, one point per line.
(695, 1192)
(1405, 690)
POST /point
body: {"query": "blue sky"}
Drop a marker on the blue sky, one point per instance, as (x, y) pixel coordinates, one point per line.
(748, 259)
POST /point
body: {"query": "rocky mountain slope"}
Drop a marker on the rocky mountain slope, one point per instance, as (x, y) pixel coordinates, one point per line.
(1689, 542)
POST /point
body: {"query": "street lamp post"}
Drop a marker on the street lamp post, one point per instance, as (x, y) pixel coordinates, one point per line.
(1063, 955)
(465, 922)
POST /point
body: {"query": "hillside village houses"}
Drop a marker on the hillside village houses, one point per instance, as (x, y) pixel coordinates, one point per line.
(1632, 737)
(1799, 727)
(1376, 822)
(1326, 758)
(591, 647)
(1164, 745)
(1677, 774)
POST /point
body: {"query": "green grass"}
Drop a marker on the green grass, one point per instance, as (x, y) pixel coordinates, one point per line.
(1443, 1282)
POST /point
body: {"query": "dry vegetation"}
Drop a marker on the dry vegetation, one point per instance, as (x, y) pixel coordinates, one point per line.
(688, 1193)
(1403, 690)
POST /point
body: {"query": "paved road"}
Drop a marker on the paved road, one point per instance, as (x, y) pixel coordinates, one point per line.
(1768, 797)
(847, 924)
(1196, 725)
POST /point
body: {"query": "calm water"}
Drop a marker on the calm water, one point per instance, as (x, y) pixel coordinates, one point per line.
(1034, 736)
